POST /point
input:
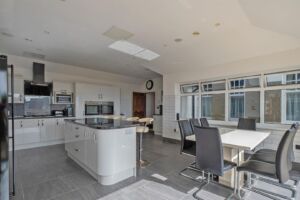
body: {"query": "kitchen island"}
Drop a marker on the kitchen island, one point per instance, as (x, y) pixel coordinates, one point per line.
(105, 148)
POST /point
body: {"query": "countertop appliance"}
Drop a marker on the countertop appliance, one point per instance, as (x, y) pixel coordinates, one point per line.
(4, 163)
(37, 105)
(63, 98)
(58, 113)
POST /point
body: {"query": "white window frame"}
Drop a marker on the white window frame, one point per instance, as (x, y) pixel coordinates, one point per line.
(262, 89)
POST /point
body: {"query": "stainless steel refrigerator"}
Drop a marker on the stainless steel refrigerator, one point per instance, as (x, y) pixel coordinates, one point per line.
(4, 155)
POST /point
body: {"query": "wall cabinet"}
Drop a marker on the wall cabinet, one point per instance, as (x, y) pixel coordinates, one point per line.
(66, 87)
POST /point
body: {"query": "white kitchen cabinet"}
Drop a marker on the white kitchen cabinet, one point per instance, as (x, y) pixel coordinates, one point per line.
(59, 128)
(26, 132)
(68, 135)
(18, 90)
(47, 129)
(66, 87)
(91, 149)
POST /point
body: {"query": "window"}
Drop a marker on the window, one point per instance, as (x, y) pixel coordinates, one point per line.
(285, 78)
(213, 86)
(292, 105)
(248, 82)
(190, 88)
(189, 106)
(244, 104)
(213, 106)
(273, 106)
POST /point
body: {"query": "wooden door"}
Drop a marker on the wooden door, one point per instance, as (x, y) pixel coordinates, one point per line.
(139, 105)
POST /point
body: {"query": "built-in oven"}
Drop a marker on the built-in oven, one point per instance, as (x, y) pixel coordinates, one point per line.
(92, 108)
(63, 98)
(107, 108)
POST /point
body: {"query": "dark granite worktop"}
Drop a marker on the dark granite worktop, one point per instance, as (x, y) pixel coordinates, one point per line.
(103, 123)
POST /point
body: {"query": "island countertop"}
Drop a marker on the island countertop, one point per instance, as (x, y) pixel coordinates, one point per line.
(104, 123)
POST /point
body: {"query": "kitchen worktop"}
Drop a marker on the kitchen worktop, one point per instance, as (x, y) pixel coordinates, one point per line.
(103, 123)
(39, 117)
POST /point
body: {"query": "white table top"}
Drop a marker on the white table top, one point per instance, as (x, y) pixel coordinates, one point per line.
(242, 139)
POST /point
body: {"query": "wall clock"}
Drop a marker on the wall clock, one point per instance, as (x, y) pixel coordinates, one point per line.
(149, 84)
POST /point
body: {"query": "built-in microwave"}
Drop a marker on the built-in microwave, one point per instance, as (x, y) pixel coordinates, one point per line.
(107, 108)
(63, 98)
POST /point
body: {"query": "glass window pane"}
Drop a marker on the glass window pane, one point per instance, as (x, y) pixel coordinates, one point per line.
(293, 105)
(274, 79)
(273, 106)
(245, 83)
(213, 106)
(214, 86)
(290, 78)
(189, 107)
(236, 102)
(252, 105)
(189, 88)
(252, 82)
(244, 104)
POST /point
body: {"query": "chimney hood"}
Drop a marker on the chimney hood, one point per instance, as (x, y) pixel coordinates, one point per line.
(38, 86)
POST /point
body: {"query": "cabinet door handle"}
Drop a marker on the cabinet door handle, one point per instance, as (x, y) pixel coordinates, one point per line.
(76, 128)
(77, 150)
(57, 122)
(77, 136)
(95, 137)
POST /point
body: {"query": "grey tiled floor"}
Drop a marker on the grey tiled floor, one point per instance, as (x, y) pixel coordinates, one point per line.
(48, 174)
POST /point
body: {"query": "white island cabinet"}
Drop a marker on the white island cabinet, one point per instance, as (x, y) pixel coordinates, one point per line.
(109, 154)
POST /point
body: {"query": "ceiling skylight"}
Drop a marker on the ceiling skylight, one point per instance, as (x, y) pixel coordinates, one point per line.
(134, 50)
(126, 47)
(147, 55)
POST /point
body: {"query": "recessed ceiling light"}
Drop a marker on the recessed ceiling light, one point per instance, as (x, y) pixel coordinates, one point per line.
(147, 55)
(126, 47)
(217, 24)
(178, 40)
(116, 33)
(7, 34)
(28, 40)
(196, 33)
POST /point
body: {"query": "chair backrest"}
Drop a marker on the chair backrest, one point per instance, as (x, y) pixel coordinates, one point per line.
(283, 162)
(247, 124)
(185, 128)
(209, 150)
(147, 120)
(194, 122)
(204, 122)
(291, 149)
(132, 119)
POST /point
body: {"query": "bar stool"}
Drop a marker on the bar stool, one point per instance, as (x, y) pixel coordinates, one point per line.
(142, 130)
(132, 119)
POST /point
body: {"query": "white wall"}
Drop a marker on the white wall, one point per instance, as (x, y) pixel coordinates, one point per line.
(157, 89)
(68, 73)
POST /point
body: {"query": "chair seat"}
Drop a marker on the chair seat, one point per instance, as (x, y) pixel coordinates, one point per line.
(190, 148)
(295, 172)
(142, 129)
(258, 167)
(265, 155)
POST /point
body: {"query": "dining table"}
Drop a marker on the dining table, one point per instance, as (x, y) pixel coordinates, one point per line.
(235, 143)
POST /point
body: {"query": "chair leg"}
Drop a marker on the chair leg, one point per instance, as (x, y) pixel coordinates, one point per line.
(142, 163)
(201, 187)
(193, 169)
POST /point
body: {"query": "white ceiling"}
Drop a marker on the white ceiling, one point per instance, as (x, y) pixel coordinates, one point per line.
(71, 31)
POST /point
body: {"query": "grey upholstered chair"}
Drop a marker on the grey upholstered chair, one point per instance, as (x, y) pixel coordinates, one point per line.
(194, 122)
(280, 170)
(209, 154)
(204, 122)
(269, 155)
(247, 124)
(188, 147)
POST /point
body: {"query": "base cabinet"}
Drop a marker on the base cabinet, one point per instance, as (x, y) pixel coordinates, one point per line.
(108, 155)
(37, 132)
